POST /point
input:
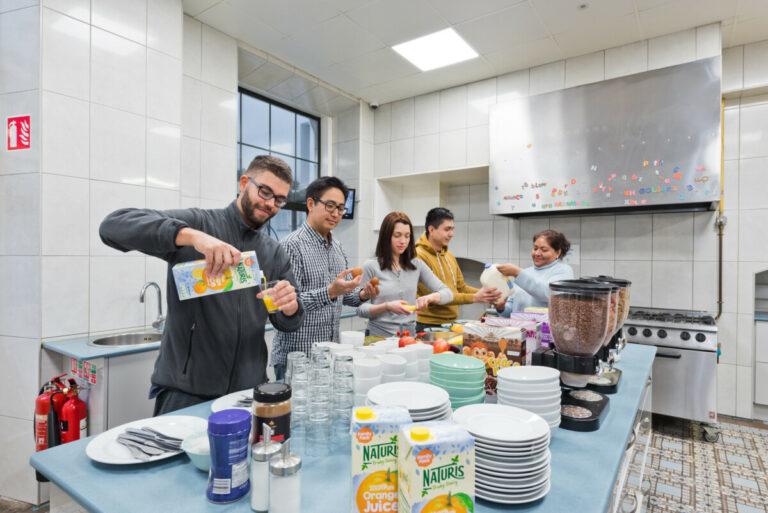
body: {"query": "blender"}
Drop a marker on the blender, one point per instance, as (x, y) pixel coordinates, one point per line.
(580, 322)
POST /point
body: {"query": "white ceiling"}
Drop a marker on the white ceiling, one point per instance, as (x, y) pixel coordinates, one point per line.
(347, 43)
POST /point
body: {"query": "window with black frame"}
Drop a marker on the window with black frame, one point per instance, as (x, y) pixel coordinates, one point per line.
(267, 127)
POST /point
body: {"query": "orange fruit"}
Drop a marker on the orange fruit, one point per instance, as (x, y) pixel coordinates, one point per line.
(199, 287)
(378, 488)
(375, 281)
(444, 504)
(357, 271)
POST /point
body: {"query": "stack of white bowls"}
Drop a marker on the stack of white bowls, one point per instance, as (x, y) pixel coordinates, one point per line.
(511, 452)
(423, 354)
(532, 388)
(425, 402)
(393, 367)
(367, 373)
(353, 338)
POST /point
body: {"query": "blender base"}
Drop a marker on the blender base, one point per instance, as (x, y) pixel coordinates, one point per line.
(598, 410)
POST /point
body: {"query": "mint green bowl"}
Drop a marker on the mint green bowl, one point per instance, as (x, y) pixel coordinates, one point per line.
(456, 362)
(192, 445)
(459, 402)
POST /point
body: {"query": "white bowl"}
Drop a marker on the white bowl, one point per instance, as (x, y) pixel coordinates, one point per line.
(392, 364)
(362, 385)
(341, 349)
(423, 351)
(424, 366)
(406, 352)
(367, 368)
(529, 374)
(360, 399)
(388, 343)
(389, 378)
(354, 338)
(412, 370)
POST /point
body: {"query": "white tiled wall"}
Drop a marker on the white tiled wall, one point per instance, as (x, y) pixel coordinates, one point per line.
(670, 258)
(110, 133)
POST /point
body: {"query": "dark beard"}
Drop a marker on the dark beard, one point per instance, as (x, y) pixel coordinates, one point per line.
(248, 207)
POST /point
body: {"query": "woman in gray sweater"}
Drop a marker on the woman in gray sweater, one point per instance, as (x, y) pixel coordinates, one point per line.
(399, 273)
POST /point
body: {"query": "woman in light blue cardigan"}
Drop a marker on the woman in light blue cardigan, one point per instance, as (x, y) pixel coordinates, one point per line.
(399, 273)
(532, 283)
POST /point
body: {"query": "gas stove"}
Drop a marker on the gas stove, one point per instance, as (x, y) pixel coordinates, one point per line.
(671, 328)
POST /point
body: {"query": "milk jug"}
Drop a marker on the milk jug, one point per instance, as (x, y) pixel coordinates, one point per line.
(436, 468)
(375, 431)
(492, 278)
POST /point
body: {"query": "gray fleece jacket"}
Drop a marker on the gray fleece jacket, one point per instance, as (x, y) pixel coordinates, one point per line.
(213, 345)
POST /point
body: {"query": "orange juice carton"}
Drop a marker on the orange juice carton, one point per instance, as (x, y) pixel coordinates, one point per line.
(436, 468)
(374, 432)
(496, 346)
(193, 282)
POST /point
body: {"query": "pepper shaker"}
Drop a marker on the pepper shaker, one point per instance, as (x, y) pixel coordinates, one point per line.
(285, 481)
(260, 455)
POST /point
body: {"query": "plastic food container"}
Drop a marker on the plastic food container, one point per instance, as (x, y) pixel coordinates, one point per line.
(579, 315)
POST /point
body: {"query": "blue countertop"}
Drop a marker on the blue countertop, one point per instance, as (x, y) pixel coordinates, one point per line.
(584, 467)
(761, 316)
(79, 348)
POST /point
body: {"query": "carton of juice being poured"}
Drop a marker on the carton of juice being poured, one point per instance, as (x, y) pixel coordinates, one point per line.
(192, 280)
(374, 457)
(436, 468)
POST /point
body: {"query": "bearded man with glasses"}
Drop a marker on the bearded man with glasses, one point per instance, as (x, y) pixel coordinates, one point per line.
(214, 345)
(322, 272)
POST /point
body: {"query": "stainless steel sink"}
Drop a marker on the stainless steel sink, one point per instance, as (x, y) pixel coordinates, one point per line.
(129, 339)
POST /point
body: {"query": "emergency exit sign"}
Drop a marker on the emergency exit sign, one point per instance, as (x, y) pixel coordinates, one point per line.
(18, 133)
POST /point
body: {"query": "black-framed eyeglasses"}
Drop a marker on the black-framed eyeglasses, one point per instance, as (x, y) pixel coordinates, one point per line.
(266, 193)
(330, 206)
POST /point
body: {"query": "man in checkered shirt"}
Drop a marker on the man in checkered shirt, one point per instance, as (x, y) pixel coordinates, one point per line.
(321, 270)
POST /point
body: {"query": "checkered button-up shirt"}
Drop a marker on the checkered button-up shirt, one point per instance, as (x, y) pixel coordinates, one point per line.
(316, 263)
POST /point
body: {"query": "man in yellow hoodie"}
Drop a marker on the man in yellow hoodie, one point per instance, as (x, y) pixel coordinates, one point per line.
(432, 248)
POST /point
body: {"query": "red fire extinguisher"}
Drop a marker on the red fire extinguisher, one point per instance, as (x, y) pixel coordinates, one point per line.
(74, 423)
(50, 395)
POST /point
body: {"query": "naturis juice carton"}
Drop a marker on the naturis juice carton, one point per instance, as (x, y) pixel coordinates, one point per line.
(192, 280)
(374, 457)
(436, 468)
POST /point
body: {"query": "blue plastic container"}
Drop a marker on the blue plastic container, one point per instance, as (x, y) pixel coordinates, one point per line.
(228, 432)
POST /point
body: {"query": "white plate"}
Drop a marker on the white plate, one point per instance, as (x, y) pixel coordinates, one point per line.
(505, 465)
(512, 451)
(419, 416)
(536, 398)
(536, 408)
(513, 473)
(506, 498)
(512, 461)
(105, 449)
(514, 446)
(514, 485)
(529, 374)
(228, 401)
(414, 395)
(499, 422)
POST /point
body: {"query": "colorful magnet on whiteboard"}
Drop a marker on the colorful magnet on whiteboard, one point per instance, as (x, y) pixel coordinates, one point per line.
(634, 177)
(593, 167)
(690, 187)
(682, 197)
(675, 169)
(701, 168)
(645, 163)
(573, 180)
(666, 180)
(677, 176)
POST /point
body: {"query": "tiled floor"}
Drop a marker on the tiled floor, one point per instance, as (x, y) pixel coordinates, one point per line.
(685, 473)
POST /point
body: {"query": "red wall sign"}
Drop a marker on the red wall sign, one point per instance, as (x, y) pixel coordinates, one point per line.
(18, 131)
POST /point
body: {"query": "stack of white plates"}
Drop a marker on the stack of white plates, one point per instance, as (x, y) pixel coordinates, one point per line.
(511, 452)
(424, 401)
(532, 388)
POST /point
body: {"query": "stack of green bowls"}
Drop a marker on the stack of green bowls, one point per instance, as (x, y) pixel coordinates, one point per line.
(463, 377)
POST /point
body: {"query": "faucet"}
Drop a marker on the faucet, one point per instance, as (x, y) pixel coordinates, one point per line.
(160, 321)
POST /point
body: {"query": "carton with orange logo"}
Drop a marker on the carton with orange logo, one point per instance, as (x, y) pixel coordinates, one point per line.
(374, 457)
(192, 280)
(436, 468)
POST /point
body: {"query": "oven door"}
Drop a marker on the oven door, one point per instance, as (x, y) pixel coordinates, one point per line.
(685, 384)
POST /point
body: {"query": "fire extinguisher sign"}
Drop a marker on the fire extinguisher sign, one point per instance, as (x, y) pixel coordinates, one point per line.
(18, 133)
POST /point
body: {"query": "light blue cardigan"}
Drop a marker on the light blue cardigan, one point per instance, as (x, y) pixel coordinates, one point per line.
(532, 286)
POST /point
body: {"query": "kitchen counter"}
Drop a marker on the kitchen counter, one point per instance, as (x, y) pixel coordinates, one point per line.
(79, 348)
(761, 316)
(584, 467)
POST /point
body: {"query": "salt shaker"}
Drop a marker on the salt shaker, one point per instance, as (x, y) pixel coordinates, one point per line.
(260, 456)
(285, 481)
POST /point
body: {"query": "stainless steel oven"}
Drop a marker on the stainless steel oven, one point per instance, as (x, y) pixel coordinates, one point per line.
(685, 368)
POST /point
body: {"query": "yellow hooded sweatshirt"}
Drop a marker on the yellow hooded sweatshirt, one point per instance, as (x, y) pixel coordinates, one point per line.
(445, 267)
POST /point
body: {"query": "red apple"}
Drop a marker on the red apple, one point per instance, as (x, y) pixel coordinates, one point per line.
(440, 346)
(406, 341)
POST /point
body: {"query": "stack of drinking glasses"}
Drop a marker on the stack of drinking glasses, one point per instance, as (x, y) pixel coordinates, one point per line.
(297, 376)
(319, 421)
(343, 398)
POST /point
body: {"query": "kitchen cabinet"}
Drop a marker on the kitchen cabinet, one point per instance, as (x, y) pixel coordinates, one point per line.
(629, 494)
(761, 362)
